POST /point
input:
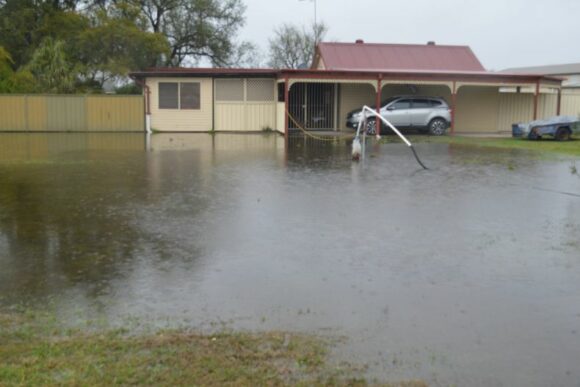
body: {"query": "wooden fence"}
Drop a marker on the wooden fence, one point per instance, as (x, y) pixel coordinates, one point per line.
(71, 113)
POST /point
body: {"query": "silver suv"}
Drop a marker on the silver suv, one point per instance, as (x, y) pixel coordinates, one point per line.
(430, 114)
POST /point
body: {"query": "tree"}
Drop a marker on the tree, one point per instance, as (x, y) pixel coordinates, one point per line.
(196, 29)
(115, 45)
(51, 69)
(245, 54)
(11, 81)
(25, 23)
(293, 47)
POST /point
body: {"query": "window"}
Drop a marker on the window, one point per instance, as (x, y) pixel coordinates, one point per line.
(188, 96)
(402, 104)
(260, 90)
(229, 90)
(168, 95)
(435, 103)
(421, 104)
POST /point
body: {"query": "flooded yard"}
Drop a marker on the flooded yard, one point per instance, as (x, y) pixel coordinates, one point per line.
(465, 274)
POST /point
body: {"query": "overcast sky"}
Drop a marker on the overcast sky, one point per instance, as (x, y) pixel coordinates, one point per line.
(502, 33)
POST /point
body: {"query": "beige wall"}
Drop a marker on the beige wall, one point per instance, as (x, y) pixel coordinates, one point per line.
(514, 108)
(547, 105)
(176, 120)
(485, 109)
(570, 102)
(391, 90)
(477, 109)
(519, 107)
(280, 117)
(247, 115)
(353, 96)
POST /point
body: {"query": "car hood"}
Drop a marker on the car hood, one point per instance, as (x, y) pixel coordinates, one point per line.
(355, 111)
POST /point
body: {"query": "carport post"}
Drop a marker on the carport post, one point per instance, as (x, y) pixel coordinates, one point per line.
(286, 109)
(453, 107)
(536, 97)
(378, 103)
(559, 103)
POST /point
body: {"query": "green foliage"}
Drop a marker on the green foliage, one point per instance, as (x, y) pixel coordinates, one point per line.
(544, 147)
(293, 47)
(36, 350)
(130, 88)
(196, 29)
(78, 45)
(11, 81)
(51, 68)
(114, 46)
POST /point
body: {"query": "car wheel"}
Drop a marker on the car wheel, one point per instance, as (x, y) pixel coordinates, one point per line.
(371, 127)
(562, 134)
(437, 126)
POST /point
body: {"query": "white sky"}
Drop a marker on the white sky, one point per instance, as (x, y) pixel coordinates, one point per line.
(502, 33)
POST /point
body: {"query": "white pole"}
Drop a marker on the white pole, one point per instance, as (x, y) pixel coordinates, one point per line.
(374, 113)
(148, 123)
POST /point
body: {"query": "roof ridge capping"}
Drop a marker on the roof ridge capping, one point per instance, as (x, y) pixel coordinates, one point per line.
(363, 43)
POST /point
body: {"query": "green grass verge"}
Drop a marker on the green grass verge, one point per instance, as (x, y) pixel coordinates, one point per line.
(546, 146)
(34, 351)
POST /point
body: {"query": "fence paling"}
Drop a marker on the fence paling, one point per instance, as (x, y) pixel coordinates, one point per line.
(74, 113)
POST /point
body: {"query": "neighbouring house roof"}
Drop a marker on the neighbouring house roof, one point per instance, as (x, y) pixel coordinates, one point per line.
(558, 69)
(386, 57)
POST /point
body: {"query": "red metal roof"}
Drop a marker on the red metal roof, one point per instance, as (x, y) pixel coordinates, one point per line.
(387, 57)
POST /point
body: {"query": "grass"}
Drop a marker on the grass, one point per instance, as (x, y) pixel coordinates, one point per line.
(571, 148)
(35, 351)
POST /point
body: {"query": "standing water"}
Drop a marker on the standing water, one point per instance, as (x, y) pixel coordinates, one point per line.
(467, 274)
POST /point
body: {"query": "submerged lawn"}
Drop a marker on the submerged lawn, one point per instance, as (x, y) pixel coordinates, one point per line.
(34, 352)
(548, 146)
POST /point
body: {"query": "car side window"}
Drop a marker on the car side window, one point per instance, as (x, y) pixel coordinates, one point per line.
(402, 104)
(421, 104)
(435, 103)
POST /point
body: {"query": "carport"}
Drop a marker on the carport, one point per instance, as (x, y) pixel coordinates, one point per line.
(481, 102)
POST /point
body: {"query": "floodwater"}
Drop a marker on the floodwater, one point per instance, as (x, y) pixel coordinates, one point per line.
(467, 274)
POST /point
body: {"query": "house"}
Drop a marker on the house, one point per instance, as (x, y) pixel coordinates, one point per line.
(570, 75)
(344, 76)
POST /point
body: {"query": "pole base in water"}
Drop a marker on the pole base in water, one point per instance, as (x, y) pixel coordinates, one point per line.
(356, 149)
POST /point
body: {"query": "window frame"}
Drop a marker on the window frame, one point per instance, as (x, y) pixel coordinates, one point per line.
(161, 102)
(196, 102)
